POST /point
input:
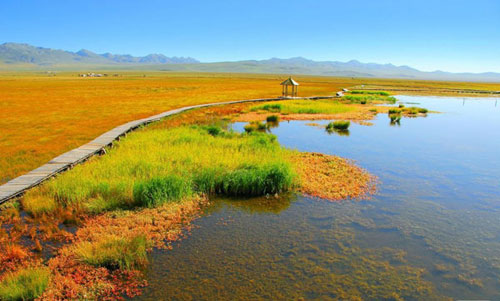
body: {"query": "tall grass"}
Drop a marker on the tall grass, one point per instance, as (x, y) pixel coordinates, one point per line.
(25, 284)
(303, 106)
(382, 93)
(114, 252)
(364, 99)
(247, 180)
(340, 125)
(272, 118)
(157, 191)
(154, 166)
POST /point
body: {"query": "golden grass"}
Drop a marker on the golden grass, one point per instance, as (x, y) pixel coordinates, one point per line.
(42, 117)
(332, 178)
(25, 284)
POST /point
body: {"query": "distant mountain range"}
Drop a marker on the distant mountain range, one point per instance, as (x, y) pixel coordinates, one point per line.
(14, 53)
(24, 56)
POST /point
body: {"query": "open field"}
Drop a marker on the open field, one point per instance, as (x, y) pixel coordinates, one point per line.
(42, 116)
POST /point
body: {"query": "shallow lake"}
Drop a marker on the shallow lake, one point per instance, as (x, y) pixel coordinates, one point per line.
(432, 230)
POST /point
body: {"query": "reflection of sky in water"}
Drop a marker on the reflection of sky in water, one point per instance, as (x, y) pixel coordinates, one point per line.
(439, 201)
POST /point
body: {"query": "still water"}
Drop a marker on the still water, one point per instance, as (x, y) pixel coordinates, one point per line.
(432, 230)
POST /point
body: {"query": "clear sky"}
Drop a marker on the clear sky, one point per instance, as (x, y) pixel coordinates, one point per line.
(429, 35)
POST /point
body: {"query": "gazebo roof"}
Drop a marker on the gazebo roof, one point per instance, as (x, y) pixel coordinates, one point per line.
(290, 81)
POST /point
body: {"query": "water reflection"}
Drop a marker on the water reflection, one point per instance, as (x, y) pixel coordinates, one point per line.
(338, 132)
(268, 204)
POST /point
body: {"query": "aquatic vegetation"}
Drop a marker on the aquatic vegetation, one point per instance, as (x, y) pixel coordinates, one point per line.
(340, 125)
(332, 178)
(303, 254)
(394, 111)
(273, 107)
(25, 284)
(414, 111)
(382, 93)
(247, 180)
(401, 105)
(255, 126)
(272, 118)
(303, 106)
(249, 128)
(113, 252)
(395, 118)
(364, 99)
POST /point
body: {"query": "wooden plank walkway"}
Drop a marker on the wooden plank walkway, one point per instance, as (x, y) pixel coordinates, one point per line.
(19, 185)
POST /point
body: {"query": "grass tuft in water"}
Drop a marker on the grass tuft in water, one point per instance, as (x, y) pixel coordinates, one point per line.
(340, 125)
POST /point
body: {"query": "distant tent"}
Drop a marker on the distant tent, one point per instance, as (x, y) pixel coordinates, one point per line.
(290, 82)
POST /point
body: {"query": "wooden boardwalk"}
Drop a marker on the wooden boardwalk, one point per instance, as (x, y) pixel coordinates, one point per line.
(19, 185)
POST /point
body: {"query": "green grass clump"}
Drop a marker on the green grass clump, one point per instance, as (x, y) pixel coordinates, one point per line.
(213, 130)
(304, 106)
(374, 110)
(255, 126)
(340, 125)
(381, 93)
(271, 107)
(157, 191)
(158, 165)
(394, 111)
(415, 110)
(247, 180)
(249, 128)
(364, 99)
(25, 284)
(401, 105)
(395, 118)
(114, 252)
(272, 118)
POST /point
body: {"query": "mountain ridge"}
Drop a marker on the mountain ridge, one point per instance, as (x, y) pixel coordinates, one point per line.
(16, 54)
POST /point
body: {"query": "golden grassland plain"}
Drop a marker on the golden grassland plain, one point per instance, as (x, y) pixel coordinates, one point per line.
(98, 220)
(42, 115)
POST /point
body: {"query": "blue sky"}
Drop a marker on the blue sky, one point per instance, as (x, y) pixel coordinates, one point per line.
(429, 35)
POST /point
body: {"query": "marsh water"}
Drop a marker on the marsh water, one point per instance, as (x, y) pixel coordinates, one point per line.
(431, 231)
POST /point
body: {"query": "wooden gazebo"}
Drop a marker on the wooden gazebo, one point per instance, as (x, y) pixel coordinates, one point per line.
(290, 82)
